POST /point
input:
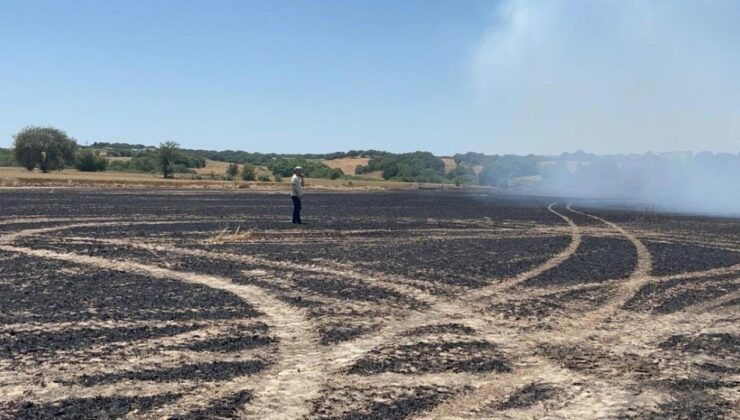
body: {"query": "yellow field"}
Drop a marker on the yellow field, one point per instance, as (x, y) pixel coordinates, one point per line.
(347, 165)
(219, 168)
(449, 164)
(118, 158)
(19, 177)
(215, 167)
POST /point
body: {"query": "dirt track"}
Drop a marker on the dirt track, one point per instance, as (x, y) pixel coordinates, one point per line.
(387, 305)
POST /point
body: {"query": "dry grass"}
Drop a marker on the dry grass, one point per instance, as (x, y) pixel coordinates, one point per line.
(227, 237)
(450, 164)
(19, 177)
(347, 165)
(219, 168)
(215, 167)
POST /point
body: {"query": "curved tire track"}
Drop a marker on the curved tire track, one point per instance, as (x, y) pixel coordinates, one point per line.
(468, 404)
(287, 387)
(458, 310)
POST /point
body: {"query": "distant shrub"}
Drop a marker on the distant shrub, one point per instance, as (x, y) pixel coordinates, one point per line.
(264, 178)
(413, 167)
(278, 178)
(144, 164)
(118, 166)
(6, 158)
(312, 169)
(89, 161)
(232, 170)
(180, 168)
(248, 173)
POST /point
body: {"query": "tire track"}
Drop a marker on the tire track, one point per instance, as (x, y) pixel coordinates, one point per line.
(460, 310)
(440, 310)
(604, 396)
(626, 289)
(392, 282)
(572, 332)
(299, 371)
(569, 251)
(13, 236)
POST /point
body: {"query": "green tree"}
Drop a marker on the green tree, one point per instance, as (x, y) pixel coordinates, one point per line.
(312, 169)
(167, 153)
(417, 167)
(89, 161)
(248, 173)
(232, 170)
(7, 158)
(46, 147)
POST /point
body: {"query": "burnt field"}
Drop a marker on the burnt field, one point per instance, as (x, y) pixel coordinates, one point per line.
(189, 305)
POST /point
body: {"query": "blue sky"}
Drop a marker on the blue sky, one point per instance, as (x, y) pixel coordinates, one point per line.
(510, 76)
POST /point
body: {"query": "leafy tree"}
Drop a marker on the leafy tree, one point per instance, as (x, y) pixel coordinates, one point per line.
(499, 170)
(7, 158)
(416, 167)
(46, 147)
(189, 160)
(89, 161)
(147, 163)
(232, 170)
(470, 158)
(167, 154)
(461, 171)
(312, 169)
(119, 166)
(248, 173)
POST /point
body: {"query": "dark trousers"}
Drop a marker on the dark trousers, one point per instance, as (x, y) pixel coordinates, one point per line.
(296, 209)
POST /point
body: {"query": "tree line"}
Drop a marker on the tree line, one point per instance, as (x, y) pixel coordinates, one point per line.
(48, 148)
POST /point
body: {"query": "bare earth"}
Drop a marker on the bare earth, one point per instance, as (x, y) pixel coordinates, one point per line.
(19, 177)
(347, 165)
(195, 304)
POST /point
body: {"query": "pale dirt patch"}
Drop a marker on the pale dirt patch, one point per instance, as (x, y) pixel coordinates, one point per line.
(232, 237)
(347, 165)
(450, 164)
(214, 166)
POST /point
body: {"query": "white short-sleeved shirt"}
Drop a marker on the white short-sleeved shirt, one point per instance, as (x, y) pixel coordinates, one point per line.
(296, 184)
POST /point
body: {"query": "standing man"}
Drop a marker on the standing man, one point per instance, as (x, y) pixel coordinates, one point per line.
(296, 183)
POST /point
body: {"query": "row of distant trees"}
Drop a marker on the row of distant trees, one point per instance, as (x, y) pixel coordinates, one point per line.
(280, 165)
(50, 149)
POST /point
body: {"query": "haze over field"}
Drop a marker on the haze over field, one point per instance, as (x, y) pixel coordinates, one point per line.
(612, 76)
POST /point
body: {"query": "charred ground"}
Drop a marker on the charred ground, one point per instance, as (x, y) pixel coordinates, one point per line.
(386, 305)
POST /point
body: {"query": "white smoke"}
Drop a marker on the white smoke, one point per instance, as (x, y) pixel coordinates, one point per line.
(611, 76)
(618, 76)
